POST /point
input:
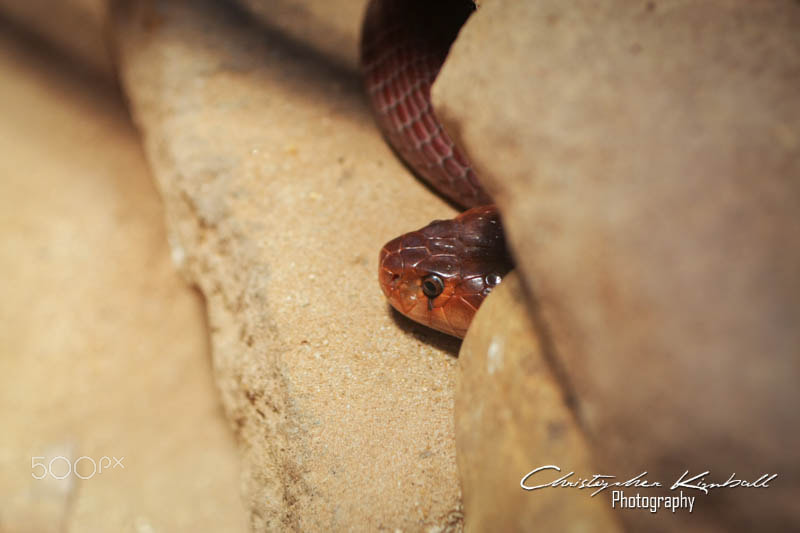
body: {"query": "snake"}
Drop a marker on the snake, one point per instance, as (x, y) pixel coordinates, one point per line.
(440, 274)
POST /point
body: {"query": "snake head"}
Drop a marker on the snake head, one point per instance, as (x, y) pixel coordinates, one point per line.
(439, 275)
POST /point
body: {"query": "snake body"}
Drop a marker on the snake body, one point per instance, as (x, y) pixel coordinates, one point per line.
(440, 274)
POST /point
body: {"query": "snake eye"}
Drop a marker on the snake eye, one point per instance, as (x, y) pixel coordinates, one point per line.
(432, 286)
(493, 279)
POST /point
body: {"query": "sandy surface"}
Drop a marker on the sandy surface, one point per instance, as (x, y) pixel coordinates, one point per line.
(279, 194)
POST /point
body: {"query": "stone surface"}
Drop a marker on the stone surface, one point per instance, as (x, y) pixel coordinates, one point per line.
(331, 28)
(511, 417)
(279, 193)
(645, 158)
(103, 347)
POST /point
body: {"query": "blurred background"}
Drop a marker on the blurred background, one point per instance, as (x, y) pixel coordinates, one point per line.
(104, 354)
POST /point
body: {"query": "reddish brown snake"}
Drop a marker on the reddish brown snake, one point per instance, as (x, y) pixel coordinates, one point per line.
(440, 274)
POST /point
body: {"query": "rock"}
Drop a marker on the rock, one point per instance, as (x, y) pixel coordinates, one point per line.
(645, 159)
(511, 418)
(331, 28)
(279, 194)
(104, 350)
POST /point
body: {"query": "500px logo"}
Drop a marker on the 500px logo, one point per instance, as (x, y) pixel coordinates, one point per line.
(84, 462)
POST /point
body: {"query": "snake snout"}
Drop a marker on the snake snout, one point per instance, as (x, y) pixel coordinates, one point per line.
(390, 266)
(398, 278)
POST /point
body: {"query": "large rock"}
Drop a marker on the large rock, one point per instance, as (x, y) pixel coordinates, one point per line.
(279, 194)
(513, 417)
(645, 159)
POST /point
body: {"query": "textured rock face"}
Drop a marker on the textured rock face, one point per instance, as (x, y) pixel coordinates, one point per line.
(280, 193)
(645, 157)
